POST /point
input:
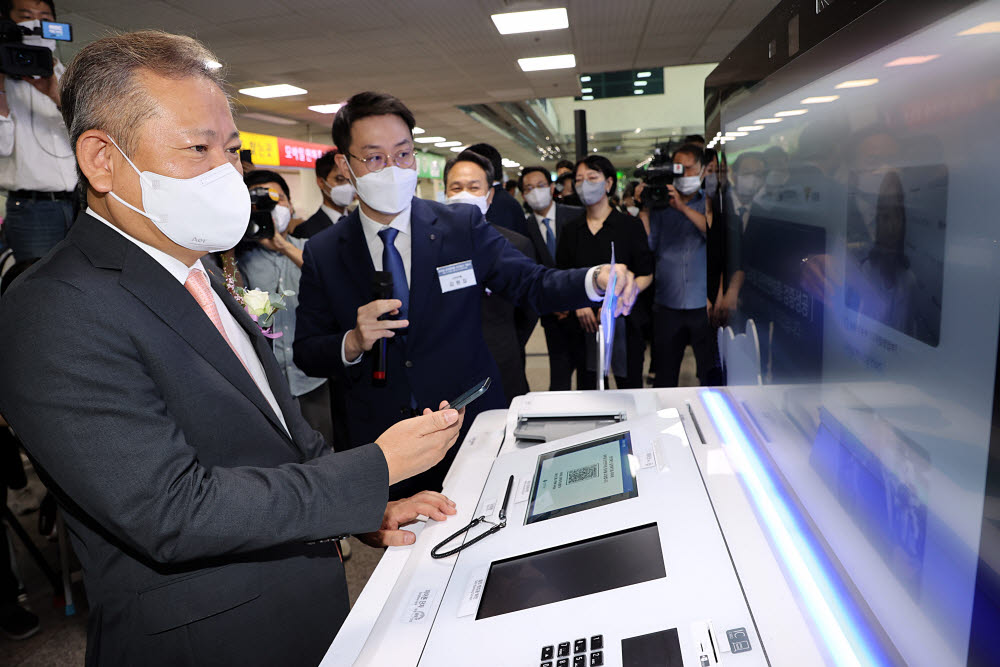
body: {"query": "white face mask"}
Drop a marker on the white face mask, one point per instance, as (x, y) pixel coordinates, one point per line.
(711, 184)
(687, 185)
(592, 192)
(281, 215)
(539, 199)
(342, 195)
(633, 211)
(776, 180)
(748, 186)
(209, 212)
(36, 40)
(466, 197)
(387, 191)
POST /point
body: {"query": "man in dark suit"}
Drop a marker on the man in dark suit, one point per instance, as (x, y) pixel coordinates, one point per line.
(440, 257)
(504, 209)
(506, 329)
(544, 224)
(198, 499)
(338, 193)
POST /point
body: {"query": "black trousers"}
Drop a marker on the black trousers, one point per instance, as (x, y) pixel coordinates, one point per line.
(673, 331)
(8, 582)
(635, 352)
(316, 410)
(562, 358)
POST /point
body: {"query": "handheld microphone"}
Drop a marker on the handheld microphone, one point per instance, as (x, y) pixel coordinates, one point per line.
(381, 289)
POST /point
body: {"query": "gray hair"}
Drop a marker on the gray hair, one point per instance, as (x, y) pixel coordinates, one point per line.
(100, 90)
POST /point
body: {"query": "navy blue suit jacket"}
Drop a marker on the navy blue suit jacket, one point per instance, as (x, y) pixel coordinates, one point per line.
(444, 352)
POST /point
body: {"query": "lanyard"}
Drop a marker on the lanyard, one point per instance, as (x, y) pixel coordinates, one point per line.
(495, 527)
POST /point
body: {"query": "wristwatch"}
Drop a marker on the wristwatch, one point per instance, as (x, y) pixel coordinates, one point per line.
(597, 288)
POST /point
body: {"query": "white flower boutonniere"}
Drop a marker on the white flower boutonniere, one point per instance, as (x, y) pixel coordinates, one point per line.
(260, 306)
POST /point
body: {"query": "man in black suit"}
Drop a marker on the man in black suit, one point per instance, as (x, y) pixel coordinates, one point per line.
(504, 209)
(506, 328)
(338, 193)
(198, 499)
(544, 223)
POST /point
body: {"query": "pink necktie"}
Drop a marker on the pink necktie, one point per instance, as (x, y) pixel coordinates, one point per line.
(197, 285)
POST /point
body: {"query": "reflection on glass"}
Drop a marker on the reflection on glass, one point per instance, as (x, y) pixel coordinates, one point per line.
(861, 243)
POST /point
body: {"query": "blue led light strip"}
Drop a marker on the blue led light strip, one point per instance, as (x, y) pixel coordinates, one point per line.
(832, 613)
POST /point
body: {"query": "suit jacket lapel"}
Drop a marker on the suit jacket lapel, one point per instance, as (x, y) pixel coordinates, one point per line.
(162, 294)
(265, 354)
(425, 247)
(355, 256)
(563, 215)
(535, 234)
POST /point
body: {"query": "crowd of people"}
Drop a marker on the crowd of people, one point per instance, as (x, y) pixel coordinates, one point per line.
(184, 438)
(185, 425)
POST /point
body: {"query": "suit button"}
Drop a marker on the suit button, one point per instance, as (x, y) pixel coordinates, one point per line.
(408, 364)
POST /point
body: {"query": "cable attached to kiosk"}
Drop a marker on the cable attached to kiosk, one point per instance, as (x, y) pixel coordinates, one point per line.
(472, 524)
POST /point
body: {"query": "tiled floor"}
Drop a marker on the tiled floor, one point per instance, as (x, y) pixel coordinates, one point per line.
(62, 640)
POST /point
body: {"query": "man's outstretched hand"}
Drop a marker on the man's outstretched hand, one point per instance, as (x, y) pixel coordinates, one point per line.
(414, 445)
(625, 288)
(399, 513)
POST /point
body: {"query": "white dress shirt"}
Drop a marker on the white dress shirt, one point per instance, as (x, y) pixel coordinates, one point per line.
(237, 335)
(403, 243)
(35, 151)
(371, 229)
(332, 213)
(551, 215)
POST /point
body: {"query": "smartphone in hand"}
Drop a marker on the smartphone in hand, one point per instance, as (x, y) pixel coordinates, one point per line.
(470, 395)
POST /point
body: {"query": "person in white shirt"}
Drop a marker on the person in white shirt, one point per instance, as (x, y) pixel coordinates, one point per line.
(546, 220)
(37, 169)
(338, 193)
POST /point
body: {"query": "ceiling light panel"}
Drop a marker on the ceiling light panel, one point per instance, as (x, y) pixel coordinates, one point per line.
(325, 108)
(277, 90)
(564, 61)
(857, 83)
(531, 21)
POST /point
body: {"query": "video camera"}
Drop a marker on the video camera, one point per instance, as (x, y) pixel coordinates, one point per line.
(262, 202)
(21, 60)
(659, 174)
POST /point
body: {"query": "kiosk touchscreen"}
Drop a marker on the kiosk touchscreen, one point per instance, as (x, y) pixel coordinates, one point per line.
(581, 477)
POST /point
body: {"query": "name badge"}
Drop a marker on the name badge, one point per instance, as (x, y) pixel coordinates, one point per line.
(456, 276)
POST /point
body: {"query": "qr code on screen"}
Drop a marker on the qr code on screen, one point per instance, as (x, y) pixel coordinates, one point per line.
(581, 474)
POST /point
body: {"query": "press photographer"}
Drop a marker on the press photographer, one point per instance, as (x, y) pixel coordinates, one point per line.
(271, 260)
(657, 180)
(37, 169)
(679, 219)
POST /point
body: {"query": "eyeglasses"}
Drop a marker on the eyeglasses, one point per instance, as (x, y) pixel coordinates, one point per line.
(378, 161)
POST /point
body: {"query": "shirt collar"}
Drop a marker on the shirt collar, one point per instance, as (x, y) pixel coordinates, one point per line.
(373, 227)
(332, 213)
(550, 213)
(174, 266)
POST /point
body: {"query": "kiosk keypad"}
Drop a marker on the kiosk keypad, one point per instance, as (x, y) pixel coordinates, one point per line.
(579, 648)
